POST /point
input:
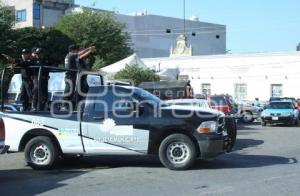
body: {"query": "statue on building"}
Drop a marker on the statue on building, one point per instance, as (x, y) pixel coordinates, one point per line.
(181, 48)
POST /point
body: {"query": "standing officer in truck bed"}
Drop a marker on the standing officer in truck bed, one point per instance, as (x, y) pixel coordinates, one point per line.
(75, 60)
(41, 61)
(26, 74)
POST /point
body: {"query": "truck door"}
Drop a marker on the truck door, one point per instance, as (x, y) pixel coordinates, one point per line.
(114, 125)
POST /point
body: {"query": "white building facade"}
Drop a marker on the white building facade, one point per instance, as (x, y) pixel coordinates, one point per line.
(245, 76)
(38, 13)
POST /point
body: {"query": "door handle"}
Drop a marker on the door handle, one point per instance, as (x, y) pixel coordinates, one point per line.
(98, 118)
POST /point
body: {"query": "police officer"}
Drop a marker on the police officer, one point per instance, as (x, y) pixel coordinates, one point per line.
(75, 60)
(26, 74)
(40, 105)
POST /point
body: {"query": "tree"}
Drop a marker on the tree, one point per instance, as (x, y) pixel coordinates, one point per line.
(136, 74)
(98, 29)
(7, 19)
(53, 41)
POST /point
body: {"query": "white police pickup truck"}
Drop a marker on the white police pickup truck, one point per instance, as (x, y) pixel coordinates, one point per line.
(118, 120)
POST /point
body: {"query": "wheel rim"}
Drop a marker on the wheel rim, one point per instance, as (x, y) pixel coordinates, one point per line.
(178, 152)
(40, 154)
(247, 117)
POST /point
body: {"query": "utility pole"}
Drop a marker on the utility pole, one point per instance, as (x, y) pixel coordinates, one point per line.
(184, 17)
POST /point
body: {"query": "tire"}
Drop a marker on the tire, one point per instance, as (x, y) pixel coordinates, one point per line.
(171, 152)
(246, 117)
(263, 123)
(232, 133)
(292, 123)
(47, 151)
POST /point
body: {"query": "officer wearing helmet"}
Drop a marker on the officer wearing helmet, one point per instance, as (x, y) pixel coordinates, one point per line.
(40, 61)
(26, 74)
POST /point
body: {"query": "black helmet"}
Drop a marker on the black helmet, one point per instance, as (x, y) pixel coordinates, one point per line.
(39, 51)
(25, 51)
(73, 47)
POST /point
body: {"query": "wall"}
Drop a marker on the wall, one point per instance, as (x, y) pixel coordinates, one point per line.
(258, 71)
(151, 40)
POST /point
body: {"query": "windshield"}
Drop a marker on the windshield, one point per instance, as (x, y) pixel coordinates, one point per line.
(217, 100)
(145, 95)
(280, 105)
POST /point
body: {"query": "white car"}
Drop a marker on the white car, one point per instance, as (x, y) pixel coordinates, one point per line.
(201, 103)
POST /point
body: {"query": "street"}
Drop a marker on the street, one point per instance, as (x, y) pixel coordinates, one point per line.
(264, 162)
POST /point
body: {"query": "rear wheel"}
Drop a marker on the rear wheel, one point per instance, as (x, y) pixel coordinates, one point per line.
(247, 117)
(177, 152)
(41, 153)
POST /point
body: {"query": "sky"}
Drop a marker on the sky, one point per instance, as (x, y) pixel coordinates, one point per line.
(252, 25)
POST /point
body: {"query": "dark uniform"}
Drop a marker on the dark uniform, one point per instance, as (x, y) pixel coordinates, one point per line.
(26, 75)
(26, 87)
(71, 62)
(83, 66)
(43, 90)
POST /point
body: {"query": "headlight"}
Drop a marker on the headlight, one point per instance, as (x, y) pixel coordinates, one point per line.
(287, 114)
(208, 127)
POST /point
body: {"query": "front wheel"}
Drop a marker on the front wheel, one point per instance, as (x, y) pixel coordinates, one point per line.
(41, 153)
(232, 134)
(177, 152)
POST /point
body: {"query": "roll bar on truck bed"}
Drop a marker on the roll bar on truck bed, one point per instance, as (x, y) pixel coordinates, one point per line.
(40, 69)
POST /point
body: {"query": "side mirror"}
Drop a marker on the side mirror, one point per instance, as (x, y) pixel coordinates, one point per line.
(135, 106)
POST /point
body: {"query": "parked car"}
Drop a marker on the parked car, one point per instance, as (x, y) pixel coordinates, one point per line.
(201, 103)
(224, 103)
(280, 112)
(247, 112)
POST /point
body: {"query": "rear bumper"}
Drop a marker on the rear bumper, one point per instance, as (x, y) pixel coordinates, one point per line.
(4, 149)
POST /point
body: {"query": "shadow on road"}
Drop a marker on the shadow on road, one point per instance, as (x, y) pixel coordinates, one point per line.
(247, 143)
(108, 161)
(30, 182)
(234, 160)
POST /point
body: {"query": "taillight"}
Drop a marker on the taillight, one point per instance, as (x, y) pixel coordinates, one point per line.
(2, 130)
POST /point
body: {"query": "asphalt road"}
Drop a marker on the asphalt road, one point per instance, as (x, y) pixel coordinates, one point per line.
(265, 162)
